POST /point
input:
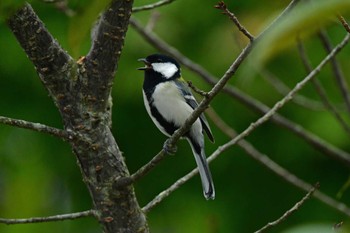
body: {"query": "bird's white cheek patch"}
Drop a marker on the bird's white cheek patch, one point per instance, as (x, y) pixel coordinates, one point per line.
(166, 69)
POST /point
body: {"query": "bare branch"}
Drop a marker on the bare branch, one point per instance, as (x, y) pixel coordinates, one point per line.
(290, 95)
(101, 62)
(249, 101)
(315, 141)
(50, 60)
(81, 90)
(221, 124)
(197, 90)
(320, 90)
(344, 23)
(283, 89)
(252, 127)
(55, 218)
(290, 6)
(161, 196)
(338, 225)
(151, 6)
(273, 166)
(152, 20)
(193, 117)
(258, 156)
(62, 5)
(222, 6)
(290, 177)
(290, 211)
(37, 127)
(141, 172)
(265, 161)
(338, 74)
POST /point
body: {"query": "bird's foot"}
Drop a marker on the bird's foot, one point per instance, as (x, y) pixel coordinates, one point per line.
(169, 148)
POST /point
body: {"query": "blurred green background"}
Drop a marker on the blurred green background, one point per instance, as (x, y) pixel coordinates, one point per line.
(39, 175)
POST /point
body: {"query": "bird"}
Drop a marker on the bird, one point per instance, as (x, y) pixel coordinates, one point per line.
(169, 102)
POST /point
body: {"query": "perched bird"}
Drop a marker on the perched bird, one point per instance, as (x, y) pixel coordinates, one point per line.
(169, 102)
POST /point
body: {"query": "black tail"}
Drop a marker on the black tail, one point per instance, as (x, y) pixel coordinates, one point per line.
(204, 171)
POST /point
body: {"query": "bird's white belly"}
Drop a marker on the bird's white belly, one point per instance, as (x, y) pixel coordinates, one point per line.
(172, 106)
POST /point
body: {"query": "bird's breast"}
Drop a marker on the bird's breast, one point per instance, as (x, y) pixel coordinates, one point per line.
(170, 103)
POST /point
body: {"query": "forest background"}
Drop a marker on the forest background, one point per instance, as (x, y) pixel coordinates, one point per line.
(39, 175)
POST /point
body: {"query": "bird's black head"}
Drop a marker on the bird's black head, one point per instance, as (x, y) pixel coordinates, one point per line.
(161, 67)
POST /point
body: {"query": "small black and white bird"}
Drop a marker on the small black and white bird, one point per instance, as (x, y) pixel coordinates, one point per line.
(169, 102)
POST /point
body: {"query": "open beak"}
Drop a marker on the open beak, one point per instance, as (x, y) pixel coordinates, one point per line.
(147, 64)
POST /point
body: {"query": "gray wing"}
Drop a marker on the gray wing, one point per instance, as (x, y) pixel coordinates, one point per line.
(190, 100)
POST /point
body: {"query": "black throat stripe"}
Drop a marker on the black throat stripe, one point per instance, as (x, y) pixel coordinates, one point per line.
(169, 127)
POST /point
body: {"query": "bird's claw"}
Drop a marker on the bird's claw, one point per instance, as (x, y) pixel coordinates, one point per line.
(169, 148)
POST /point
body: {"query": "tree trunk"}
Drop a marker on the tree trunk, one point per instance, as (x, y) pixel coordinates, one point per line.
(81, 91)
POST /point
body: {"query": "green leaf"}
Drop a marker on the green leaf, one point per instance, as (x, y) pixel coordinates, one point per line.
(302, 21)
(82, 23)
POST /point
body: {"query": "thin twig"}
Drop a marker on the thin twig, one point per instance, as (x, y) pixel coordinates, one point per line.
(338, 74)
(152, 20)
(191, 119)
(261, 158)
(196, 89)
(141, 172)
(338, 225)
(344, 23)
(290, 95)
(37, 127)
(161, 196)
(55, 218)
(320, 90)
(258, 156)
(52, 1)
(151, 6)
(290, 211)
(222, 6)
(62, 5)
(254, 104)
(161, 45)
(290, 6)
(221, 124)
(264, 160)
(252, 127)
(283, 89)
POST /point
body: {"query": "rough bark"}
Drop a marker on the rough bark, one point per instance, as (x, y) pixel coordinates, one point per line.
(81, 91)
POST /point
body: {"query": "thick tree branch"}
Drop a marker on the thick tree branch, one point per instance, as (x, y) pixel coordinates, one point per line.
(42, 49)
(81, 92)
(55, 218)
(51, 62)
(99, 66)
